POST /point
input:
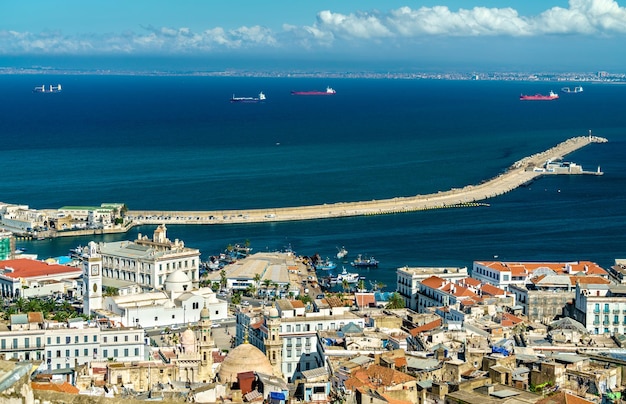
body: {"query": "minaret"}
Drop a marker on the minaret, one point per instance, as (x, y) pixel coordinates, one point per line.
(205, 344)
(92, 280)
(273, 342)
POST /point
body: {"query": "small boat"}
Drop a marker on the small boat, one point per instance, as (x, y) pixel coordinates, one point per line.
(539, 97)
(365, 262)
(567, 90)
(329, 91)
(350, 277)
(260, 98)
(325, 265)
(50, 89)
(342, 253)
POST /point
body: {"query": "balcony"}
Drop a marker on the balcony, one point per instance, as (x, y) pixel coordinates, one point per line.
(615, 311)
(606, 323)
(596, 311)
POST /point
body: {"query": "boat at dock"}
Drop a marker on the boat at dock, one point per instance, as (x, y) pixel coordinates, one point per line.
(350, 277)
(325, 265)
(539, 97)
(567, 90)
(49, 89)
(329, 91)
(260, 98)
(365, 262)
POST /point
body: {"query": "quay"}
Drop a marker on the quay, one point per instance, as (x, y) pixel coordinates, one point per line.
(519, 174)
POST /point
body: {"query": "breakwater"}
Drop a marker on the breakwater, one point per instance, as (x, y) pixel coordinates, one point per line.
(521, 172)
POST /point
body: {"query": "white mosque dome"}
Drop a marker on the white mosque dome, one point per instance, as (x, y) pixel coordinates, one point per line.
(177, 281)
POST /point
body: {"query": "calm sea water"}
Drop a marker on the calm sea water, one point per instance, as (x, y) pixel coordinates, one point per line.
(177, 143)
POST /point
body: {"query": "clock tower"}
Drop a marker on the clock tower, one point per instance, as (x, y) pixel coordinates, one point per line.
(92, 280)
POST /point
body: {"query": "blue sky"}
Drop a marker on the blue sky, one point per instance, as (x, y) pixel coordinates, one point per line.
(548, 34)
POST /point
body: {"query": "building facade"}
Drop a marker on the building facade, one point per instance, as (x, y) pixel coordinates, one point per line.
(148, 262)
(409, 279)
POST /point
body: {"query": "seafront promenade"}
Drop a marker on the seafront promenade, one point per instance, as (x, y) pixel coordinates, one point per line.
(518, 174)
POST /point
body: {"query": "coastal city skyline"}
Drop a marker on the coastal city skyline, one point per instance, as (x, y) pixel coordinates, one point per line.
(579, 35)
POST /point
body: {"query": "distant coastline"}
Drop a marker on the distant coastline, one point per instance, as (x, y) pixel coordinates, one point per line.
(579, 77)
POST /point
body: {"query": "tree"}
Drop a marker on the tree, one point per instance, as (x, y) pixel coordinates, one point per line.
(345, 285)
(395, 301)
(110, 291)
(236, 299)
(266, 284)
(250, 290)
(361, 285)
(257, 281)
(223, 278)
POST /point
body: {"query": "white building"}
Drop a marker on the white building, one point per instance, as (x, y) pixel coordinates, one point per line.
(65, 345)
(30, 278)
(409, 279)
(503, 274)
(148, 262)
(601, 308)
(178, 303)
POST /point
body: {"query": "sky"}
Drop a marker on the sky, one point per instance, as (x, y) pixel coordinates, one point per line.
(574, 35)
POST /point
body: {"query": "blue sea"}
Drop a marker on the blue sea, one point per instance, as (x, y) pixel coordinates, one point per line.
(177, 143)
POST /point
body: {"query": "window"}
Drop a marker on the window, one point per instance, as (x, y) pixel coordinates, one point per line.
(86, 338)
(136, 351)
(58, 340)
(115, 353)
(58, 353)
(38, 342)
(136, 337)
(115, 338)
(49, 341)
(105, 339)
(95, 338)
(125, 338)
(76, 353)
(67, 353)
(76, 339)
(105, 352)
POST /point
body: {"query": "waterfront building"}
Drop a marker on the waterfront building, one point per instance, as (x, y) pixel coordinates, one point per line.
(503, 274)
(20, 219)
(438, 292)
(179, 303)
(601, 308)
(409, 279)
(30, 278)
(148, 262)
(260, 269)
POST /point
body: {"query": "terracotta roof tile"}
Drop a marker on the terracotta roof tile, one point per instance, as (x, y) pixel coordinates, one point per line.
(64, 387)
(434, 282)
(24, 268)
(426, 327)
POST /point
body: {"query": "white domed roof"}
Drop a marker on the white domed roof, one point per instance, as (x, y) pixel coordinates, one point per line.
(177, 281)
(274, 312)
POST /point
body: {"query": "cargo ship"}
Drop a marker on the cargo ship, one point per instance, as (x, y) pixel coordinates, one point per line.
(329, 91)
(50, 89)
(539, 97)
(260, 98)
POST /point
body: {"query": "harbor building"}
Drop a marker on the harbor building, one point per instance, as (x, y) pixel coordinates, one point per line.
(504, 274)
(148, 262)
(30, 278)
(409, 279)
(178, 303)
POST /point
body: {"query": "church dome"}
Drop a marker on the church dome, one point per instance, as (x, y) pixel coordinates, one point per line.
(188, 341)
(177, 281)
(245, 358)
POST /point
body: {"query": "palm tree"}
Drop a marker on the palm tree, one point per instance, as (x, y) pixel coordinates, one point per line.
(361, 285)
(250, 290)
(395, 301)
(257, 281)
(275, 286)
(223, 278)
(20, 304)
(345, 285)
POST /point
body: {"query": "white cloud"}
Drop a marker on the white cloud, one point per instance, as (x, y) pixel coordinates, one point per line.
(582, 17)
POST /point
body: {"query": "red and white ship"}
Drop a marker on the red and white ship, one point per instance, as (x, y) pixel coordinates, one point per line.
(539, 97)
(329, 91)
